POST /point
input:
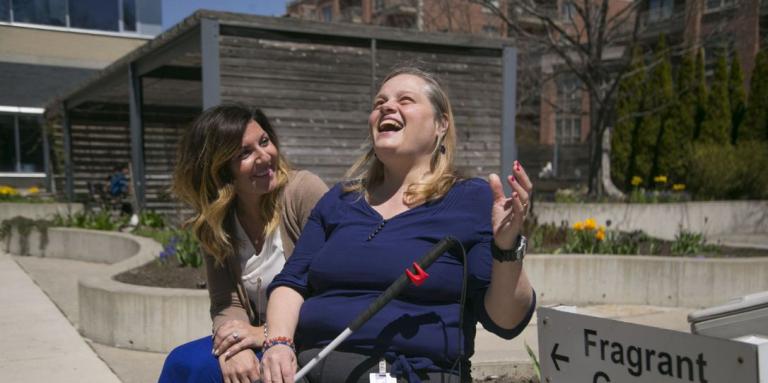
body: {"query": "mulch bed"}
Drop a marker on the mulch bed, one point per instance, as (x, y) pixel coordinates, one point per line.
(170, 274)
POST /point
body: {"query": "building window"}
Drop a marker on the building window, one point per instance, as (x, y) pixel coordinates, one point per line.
(568, 10)
(494, 5)
(21, 140)
(568, 117)
(327, 14)
(104, 15)
(46, 12)
(94, 14)
(714, 5)
(5, 10)
(129, 15)
(660, 10)
(491, 30)
(378, 5)
(8, 143)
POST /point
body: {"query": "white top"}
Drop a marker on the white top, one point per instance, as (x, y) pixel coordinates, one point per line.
(259, 269)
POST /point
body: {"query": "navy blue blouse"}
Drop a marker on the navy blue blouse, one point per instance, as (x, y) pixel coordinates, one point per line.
(348, 255)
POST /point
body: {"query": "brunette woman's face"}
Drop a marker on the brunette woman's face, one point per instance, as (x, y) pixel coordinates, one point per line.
(402, 121)
(254, 167)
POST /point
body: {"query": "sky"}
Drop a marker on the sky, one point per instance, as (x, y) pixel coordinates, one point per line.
(176, 10)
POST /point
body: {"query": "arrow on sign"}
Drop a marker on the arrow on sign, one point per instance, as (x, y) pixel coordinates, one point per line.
(555, 357)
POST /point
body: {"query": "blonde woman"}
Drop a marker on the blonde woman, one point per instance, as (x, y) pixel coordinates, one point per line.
(403, 198)
(250, 208)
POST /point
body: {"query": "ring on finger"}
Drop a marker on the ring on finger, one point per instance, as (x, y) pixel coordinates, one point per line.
(235, 335)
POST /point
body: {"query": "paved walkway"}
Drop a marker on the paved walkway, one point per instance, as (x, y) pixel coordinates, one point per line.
(39, 343)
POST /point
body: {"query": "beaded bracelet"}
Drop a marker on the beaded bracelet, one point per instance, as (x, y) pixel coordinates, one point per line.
(284, 340)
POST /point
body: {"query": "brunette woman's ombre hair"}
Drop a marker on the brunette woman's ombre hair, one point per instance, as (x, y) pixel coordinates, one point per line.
(368, 171)
(203, 177)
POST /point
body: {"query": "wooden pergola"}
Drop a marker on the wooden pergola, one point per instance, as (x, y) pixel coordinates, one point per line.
(314, 80)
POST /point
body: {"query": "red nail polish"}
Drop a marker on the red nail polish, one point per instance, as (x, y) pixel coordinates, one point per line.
(512, 177)
(515, 195)
(517, 165)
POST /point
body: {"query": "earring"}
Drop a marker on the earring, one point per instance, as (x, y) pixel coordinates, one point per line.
(442, 149)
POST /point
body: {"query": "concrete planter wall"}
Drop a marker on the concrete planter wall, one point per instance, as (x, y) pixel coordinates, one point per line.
(37, 210)
(644, 280)
(119, 314)
(664, 220)
(158, 319)
(77, 244)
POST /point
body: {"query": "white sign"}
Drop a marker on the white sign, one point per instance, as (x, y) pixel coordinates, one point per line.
(575, 348)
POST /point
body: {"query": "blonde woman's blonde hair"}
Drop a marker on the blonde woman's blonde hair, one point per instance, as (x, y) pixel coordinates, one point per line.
(203, 177)
(368, 170)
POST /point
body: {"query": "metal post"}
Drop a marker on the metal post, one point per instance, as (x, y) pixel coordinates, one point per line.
(136, 125)
(509, 106)
(49, 184)
(69, 179)
(17, 142)
(209, 52)
(373, 68)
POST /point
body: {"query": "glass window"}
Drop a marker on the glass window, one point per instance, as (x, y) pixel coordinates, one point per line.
(48, 12)
(8, 143)
(94, 14)
(129, 15)
(31, 140)
(491, 30)
(568, 117)
(327, 14)
(569, 10)
(5, 10)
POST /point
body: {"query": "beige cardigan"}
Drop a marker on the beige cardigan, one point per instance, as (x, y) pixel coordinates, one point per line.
(225, 286)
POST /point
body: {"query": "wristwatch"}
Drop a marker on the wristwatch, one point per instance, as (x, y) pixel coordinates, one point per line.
(514, 254)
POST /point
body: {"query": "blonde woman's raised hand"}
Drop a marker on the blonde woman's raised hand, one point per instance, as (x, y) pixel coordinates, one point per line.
(509, 212)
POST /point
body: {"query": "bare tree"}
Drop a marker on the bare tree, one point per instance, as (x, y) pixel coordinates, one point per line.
(588, 38)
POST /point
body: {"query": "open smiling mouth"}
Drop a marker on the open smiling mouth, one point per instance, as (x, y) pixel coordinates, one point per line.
(263, 173)
(390, 126)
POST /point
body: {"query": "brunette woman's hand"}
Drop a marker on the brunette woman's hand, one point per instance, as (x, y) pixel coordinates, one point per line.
(278, 364)
(509, 213)
(234, 336)
(242, 367)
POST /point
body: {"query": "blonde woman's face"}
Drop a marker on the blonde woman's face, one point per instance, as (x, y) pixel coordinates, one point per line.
(254, 167)
(402, 121)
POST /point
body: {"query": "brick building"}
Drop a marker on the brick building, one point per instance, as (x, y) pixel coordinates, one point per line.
(459, 16)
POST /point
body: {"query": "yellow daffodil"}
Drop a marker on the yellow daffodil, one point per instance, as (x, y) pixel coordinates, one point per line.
(600, 235)
(636, 181)
(8, 190)
(33, 190)
(660, 179)
(578, 226)
(590, 224)
(678, 187)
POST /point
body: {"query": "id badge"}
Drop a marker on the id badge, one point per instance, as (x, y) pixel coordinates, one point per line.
(383, 376)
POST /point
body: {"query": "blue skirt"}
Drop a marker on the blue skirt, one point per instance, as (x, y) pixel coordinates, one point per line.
(192, 362)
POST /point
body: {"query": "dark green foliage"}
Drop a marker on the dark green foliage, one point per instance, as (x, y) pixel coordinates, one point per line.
(24, 226)
(629, 120)
(724, 171)
(666, 142)
(756, 121)
(701, 94)
(687, 92)
(716, 127)
(736, 97)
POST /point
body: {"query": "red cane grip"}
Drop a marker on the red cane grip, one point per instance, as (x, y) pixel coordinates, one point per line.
(420, 275)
